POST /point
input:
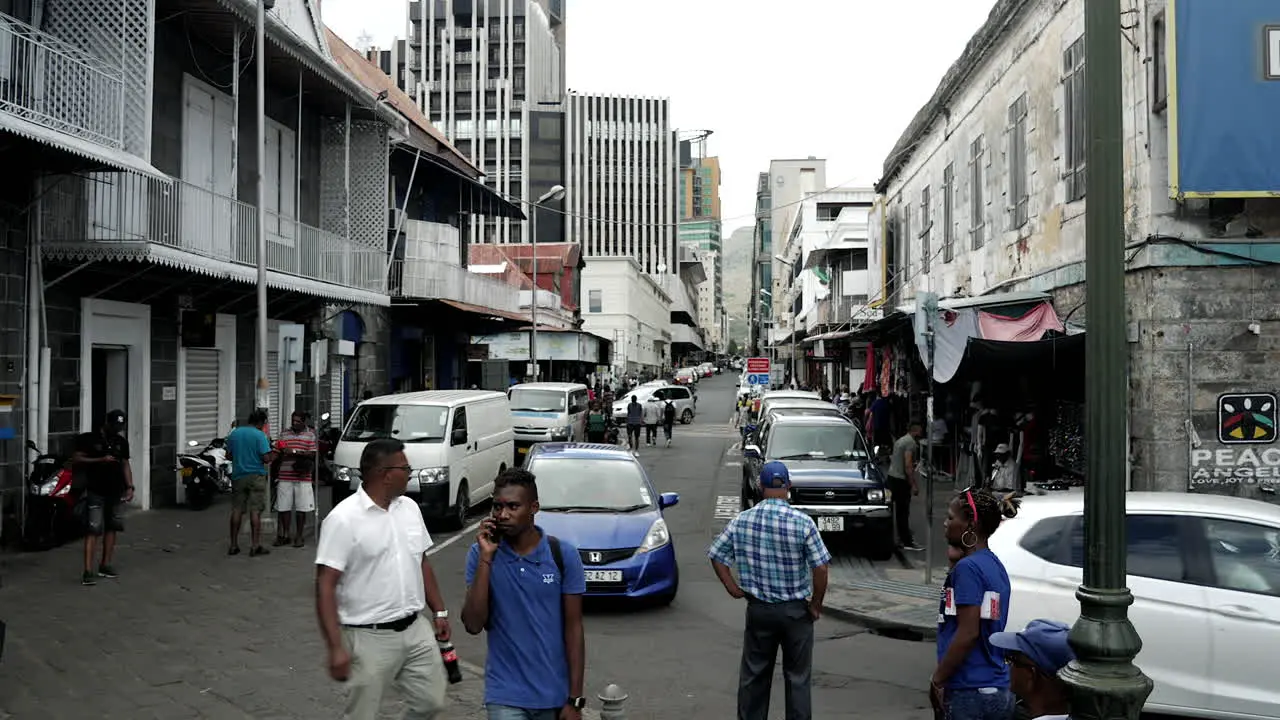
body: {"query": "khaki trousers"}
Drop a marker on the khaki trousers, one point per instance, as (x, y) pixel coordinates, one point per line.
(410, 660)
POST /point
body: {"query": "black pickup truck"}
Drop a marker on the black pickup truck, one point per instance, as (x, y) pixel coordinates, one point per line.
(833, 477)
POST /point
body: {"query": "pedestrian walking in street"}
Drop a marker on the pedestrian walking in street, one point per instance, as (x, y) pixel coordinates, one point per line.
(525, 588)
(782, 564)
(597, 423)
(250, 453)
(971, 681)
(373, 579)
(635, 421)
(904, 483)
(1035, 657)
(652, 416)
(668, 419)
(295, 493)
(102, 459)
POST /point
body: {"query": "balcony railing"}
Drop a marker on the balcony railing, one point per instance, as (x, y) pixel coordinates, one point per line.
(427, 279)
(128, 211)
(54, 84)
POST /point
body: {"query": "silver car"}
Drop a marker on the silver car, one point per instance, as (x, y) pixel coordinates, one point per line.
(683, 398)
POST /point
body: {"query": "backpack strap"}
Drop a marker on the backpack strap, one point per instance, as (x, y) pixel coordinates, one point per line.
(554, 542)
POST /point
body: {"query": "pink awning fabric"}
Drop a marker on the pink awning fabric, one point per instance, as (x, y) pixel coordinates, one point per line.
(869, 375)
(1028, 328)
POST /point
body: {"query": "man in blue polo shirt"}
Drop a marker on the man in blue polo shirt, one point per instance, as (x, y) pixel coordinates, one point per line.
(526, 589)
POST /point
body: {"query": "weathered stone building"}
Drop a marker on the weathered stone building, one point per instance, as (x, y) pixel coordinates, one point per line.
(985, 192)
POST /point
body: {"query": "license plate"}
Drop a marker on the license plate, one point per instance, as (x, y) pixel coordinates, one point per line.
(523, 450)
(186, 472)
(830, 524)
(604, 575)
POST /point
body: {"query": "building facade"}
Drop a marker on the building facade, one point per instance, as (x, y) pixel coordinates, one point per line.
(790, 181)
(631, 310)
(700, 229)
(622, 179)
(760, 306)
(490, 74)
(985, 193)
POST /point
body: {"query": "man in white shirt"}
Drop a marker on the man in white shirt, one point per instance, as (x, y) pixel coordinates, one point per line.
(372, 581)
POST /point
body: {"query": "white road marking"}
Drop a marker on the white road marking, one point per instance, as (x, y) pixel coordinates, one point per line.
(464, 532)
(727, 507)
(733, 463)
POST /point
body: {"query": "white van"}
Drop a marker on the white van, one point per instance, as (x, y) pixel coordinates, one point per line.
(456, 441)
(547, 411)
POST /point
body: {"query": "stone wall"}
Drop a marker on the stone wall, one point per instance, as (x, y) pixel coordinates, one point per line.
(13, 274)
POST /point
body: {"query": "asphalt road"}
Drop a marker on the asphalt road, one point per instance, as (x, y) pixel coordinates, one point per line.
(188, 632)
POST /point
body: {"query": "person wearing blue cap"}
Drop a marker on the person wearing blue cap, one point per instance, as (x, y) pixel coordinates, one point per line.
(1035, 657)
(781, 564)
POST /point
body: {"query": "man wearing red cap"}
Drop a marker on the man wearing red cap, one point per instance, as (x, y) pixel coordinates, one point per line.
(781, 563)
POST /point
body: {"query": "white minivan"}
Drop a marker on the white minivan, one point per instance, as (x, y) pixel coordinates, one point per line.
(547, 412)
(456, 441)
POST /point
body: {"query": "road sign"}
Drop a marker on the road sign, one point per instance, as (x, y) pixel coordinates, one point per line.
(758, 379)
(758, 365)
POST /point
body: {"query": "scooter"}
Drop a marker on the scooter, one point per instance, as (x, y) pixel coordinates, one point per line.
(50, 514)
(206, 473)
(327, 437)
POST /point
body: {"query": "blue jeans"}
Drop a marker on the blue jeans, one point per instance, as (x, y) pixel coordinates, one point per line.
(504, 712)
(973, 704)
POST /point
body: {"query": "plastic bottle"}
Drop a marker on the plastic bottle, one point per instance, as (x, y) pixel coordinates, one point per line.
(450, 657)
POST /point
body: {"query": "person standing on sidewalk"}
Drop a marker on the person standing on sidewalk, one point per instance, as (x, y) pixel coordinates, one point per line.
(635, 421)
(525, 588)
(295, 493)
(903, 483)
(782, 567)
(250, 452)
(373, 579)
(971, 681)
(668, 419)
(103, 458)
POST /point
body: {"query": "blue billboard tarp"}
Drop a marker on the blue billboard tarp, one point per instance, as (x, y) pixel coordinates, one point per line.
(1227, 104)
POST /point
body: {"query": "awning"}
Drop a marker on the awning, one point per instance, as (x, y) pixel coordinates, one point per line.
(111, 157)
(829, 336)
(482, 310)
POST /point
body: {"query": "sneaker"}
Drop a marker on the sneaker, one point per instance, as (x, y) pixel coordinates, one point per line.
(88, 578)
(107, 571)
(914, 547)
(668, 443)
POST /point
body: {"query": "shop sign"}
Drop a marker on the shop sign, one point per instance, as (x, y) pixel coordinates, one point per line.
(1244, 419)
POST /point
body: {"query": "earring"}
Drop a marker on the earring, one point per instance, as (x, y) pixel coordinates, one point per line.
(972, 539)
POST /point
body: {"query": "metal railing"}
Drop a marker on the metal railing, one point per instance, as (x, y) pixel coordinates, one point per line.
(428, 279)
(126, 209)
(52, 83)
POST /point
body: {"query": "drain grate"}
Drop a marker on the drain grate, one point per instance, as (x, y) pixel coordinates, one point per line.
(914, 590)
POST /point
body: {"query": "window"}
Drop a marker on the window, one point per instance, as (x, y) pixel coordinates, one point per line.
(926, 228)
(904, 276)
(1244, 556)
(1159, 65)
(1155, 546)
(1018, 193)
(948, 211)
(977, 191)
(1044, 539)
(594, 301)
(1073, 120)
(1273, 51)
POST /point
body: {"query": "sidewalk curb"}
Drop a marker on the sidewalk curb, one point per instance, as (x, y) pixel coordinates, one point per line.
(880, 624)
(478, 673)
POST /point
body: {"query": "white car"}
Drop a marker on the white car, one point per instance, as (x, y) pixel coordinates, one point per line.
(683, 398)
(1205, 575)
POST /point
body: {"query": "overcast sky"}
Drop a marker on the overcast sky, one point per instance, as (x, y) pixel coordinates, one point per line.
(837, 79)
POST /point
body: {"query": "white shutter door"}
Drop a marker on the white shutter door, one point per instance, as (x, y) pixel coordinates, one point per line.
(197, 208)
(202, 372)
(273, 383)
(337, 378)
(271, 181)
(288, 183)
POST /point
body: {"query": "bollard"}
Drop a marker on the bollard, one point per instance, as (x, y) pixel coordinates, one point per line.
(611, 702)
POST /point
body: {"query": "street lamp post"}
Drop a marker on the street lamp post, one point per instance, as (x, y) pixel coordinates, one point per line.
(555, 193)
(1104, 682)
(794, 365)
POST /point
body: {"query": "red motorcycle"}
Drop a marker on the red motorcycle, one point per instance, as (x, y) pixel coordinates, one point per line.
(49, 518)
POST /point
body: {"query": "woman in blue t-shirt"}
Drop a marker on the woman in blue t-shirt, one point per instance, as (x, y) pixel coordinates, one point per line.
(971, 681)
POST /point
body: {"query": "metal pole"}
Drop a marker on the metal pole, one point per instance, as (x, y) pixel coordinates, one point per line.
(928, 454)
(1104, 682)
(260, 63)
(533, 296)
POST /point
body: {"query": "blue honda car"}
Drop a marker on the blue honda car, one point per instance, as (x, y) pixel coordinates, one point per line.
(599, 498)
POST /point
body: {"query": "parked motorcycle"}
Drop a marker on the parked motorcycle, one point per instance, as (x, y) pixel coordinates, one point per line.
(205, 473)
(50, 512)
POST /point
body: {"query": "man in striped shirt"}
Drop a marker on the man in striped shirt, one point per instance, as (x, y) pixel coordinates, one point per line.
(781, 563)
(295, 493)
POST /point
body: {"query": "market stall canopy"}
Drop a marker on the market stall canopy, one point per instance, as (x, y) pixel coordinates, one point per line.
(1004, 318)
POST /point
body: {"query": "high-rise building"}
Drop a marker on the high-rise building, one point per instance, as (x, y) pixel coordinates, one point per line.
(490, 75)
(701, 230)
(622, 179)
(789, 182)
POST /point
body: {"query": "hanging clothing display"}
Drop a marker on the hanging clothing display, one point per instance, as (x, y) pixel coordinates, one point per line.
(886, 361)
(1066, 437)
(869, 375)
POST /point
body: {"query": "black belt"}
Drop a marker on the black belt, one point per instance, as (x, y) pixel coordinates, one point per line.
(397, 625)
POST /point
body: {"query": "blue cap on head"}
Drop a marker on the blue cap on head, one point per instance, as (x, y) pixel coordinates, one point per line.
(775, 476)
(1044, 642)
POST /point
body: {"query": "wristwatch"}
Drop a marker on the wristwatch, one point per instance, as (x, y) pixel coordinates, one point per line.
(442, 614)
(578, 703)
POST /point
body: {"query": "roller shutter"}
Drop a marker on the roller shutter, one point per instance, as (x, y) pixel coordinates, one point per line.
(273, 383)
(202, 373)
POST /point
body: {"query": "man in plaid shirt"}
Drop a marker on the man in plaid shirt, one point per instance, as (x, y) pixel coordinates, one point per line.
(782, 572)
